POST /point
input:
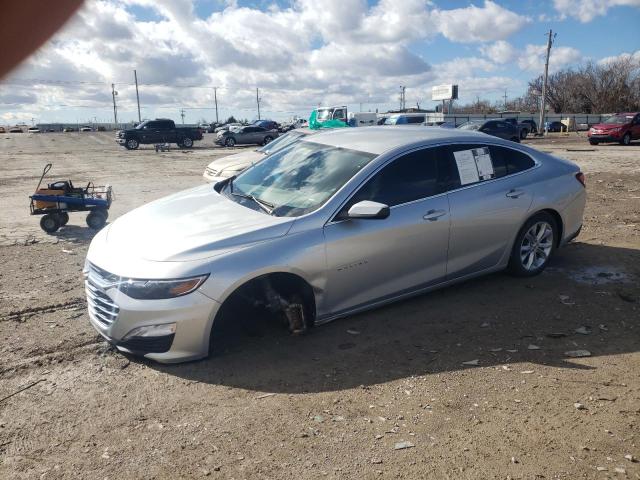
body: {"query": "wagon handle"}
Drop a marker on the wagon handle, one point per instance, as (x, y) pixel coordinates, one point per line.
(46, 169)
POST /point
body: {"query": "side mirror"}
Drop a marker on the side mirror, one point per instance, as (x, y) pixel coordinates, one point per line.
(369, 209)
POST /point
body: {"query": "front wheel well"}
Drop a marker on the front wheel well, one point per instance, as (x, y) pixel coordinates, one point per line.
(259, 300)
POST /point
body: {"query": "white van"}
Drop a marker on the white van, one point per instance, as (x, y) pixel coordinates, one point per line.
(405, 119)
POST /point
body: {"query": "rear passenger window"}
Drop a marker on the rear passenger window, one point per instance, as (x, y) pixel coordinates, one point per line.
(498, 163)
(513, 160)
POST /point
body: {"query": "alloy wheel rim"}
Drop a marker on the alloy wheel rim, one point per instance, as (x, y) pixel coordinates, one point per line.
(132, 143)
(536, 246)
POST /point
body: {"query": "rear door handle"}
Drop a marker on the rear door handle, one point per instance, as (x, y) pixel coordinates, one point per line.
(433, 215)
(513, 193)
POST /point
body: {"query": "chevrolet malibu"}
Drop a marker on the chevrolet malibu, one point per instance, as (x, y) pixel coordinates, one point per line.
(337, 223)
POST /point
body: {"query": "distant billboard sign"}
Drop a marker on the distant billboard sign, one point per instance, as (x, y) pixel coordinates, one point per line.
(444, 92)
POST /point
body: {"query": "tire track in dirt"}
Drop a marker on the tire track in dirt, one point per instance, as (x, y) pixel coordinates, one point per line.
(24, 314)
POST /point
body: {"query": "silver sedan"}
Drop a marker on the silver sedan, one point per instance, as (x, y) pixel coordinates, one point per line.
(337, 223)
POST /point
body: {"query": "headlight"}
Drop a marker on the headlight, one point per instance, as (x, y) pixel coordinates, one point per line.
(160, 289)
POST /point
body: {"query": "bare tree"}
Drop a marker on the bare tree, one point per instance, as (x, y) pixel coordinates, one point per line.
(594, 87)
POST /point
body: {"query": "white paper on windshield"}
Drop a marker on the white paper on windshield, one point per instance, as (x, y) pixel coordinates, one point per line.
(474, 165)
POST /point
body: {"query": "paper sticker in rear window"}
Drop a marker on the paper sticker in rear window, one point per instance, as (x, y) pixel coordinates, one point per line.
(474, 165)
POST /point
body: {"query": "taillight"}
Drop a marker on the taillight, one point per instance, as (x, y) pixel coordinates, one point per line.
(581, 179)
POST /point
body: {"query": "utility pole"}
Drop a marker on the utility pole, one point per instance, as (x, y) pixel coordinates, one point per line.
(135, 76)
(115, 107)
(505, 99)
(402, 97)
(550, 39)
(215, 99)
(258, 102)
(182, 115)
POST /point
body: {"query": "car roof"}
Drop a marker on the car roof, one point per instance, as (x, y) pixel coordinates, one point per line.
(380, 139)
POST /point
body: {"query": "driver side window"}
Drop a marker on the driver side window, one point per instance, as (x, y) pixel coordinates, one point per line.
(408, 178)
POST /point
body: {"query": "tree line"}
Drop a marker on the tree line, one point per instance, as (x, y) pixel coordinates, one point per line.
(612, 86)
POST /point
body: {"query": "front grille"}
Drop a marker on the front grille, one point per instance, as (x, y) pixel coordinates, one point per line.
(101, 307)
(211, 172)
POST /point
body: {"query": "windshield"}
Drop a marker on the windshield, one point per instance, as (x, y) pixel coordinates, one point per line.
(280, 143)
(470, 126)
(298, 179)
(324, 114)
(618, 119)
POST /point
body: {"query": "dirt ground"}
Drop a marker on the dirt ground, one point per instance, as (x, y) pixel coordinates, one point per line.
(343, 400)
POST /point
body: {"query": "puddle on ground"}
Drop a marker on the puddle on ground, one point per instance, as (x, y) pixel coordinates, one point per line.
(595, 275)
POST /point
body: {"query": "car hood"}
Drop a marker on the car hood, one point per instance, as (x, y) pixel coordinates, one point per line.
(237, 161)
(191, 225)
(608, 126)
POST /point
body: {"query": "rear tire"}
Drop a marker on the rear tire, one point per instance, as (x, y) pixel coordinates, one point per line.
(626, 140)
(267, 139)
(97, 219)
(64, 218)
(534, 245)
(187, 142)
(523, 134)
(50, 223)
(515, 139)
(593, 142)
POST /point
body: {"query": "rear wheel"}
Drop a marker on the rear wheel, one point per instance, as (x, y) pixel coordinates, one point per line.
(534, 246)
(64, 218)
(50, 223)
(132, 144)
(515, 139)
(230, 142)
(97, 219)
(626, 140)
(187, 142)
(524, 133)
(267, 139)
(593, 142)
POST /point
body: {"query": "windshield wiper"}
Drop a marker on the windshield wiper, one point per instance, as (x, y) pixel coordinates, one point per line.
(264, 205)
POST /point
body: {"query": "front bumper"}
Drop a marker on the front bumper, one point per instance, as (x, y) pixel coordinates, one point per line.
(121, 141)
(604, 137)
(114, 315)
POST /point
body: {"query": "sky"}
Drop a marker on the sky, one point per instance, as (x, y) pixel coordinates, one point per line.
(301, 54)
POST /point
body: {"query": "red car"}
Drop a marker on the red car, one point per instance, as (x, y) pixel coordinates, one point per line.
(621, 127)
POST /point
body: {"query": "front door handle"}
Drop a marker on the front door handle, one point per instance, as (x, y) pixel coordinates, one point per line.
(433, 215)
(513, 193)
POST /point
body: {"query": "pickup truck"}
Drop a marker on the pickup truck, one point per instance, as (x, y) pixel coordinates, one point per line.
(524, 129)
(160, 130)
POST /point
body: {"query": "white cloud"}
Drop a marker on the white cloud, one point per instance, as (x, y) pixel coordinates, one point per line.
(500, 52)
(532, 59)
(478, 24)
(635, 56)
(587, 10)
(307, 53)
